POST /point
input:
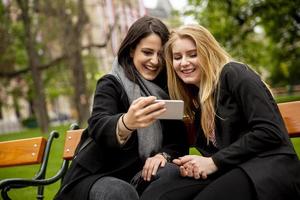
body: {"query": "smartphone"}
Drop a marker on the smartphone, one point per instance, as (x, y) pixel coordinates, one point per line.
(174, 109)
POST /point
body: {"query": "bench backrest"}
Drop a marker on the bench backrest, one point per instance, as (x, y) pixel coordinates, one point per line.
(22, 152)
(25, 152)
(71, 141)
(290, 112)
(31, 150)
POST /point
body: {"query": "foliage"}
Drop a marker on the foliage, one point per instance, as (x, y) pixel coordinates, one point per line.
(55, 38)
(12, 55)
(12, 49)
(262, 33)
(93, 73)
(175, 21)
(30, 122)
(284, 17)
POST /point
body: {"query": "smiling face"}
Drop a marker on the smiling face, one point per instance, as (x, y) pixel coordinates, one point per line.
(147, 57)
(186, 61)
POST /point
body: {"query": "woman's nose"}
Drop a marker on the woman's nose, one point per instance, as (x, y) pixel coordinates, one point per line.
(184, 62)
(155, 59)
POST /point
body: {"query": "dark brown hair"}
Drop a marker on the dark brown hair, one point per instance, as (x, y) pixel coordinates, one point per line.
(140, 29)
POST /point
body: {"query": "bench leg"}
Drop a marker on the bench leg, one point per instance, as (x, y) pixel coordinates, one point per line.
(4, 193)
(40, 194)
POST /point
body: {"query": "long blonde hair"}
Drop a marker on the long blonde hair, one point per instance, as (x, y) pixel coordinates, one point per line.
(212, 57)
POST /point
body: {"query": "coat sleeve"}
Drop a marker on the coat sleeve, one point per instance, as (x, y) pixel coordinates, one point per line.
(109, 104)
(175, 141)
(265, 127)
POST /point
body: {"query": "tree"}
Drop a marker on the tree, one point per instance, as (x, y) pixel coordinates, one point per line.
(71, 20)
(281, 22)
(55, 40)
(263, 33)
(70, 36)
(34, 63)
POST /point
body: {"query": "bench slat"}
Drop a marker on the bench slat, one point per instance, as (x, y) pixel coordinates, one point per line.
(71, 141)
(22, 152)
(291, 115)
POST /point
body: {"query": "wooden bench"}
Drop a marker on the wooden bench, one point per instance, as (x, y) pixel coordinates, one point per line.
(36, 151)
(25, 152)
(289, 111)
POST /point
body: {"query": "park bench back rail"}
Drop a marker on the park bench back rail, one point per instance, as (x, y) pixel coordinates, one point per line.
(22, 152)
(291, 115)
(72, 139)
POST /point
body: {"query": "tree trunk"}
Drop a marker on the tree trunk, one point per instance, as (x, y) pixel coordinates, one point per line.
(16, 107)
(72, 47)
(1, 114)
(81, 99)
(39, 94)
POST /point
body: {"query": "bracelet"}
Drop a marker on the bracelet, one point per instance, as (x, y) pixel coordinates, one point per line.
(122, 118)
(166, 156)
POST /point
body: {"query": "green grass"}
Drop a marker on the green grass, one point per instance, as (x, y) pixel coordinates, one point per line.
(55, 161)
(281, 99)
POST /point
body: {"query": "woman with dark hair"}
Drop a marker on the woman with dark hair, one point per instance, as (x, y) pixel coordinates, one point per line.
(124, 142)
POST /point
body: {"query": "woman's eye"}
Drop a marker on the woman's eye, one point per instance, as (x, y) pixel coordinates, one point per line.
(177, 57)
(147, 53)
(193, 55)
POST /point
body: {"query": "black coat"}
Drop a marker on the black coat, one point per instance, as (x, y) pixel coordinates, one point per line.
(104, 155)
(250, 134)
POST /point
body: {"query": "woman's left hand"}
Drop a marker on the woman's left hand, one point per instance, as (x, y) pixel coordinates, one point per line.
(151, 166)
(196, 166)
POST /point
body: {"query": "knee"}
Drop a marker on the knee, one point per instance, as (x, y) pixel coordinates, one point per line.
(123, 191)
(113, 189)
(169, 170)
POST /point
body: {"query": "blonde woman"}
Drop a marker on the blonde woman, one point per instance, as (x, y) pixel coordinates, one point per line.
(247, 153)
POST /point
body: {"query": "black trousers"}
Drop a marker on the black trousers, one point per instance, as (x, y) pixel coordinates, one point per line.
(233, 185)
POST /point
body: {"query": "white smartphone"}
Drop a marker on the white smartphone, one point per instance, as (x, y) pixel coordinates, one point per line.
(174, 109)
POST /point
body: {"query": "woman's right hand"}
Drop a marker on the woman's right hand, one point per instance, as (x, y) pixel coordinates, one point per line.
(143, 112)
(196, 166)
